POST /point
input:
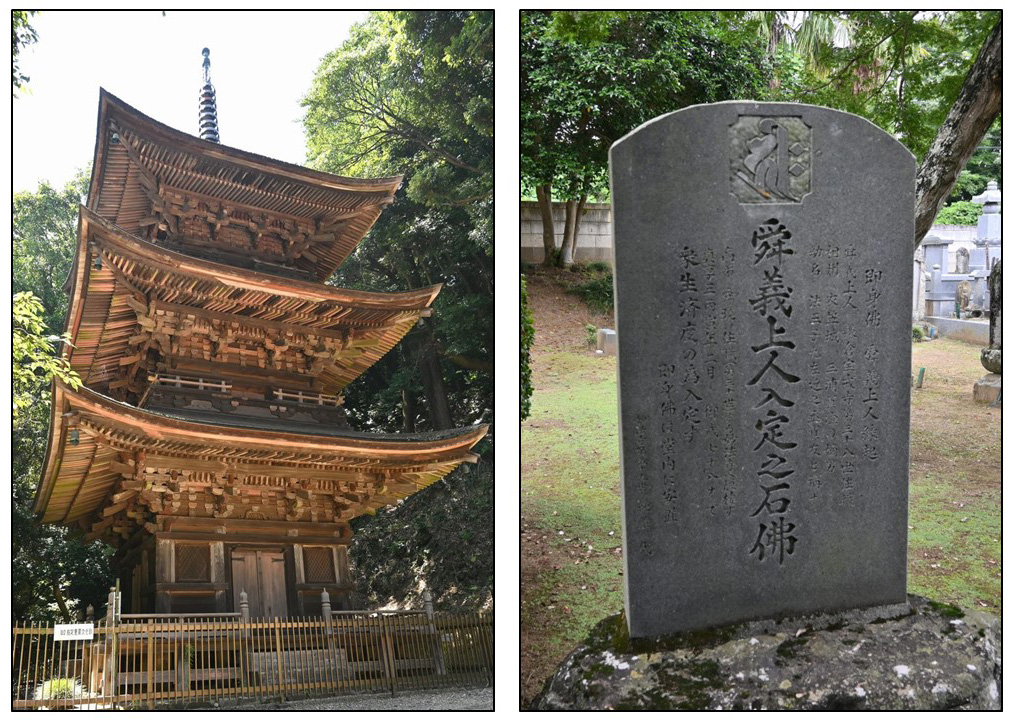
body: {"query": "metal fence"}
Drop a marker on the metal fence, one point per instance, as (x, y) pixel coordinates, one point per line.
(146, 661)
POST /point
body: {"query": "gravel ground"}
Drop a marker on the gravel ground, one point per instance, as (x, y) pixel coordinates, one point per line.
(457, 699)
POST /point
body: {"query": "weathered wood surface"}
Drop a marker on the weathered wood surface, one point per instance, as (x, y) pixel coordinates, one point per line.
(158, 467)
(155, 177)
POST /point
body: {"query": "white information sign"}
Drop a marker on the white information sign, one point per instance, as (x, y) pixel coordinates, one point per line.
(80, 631)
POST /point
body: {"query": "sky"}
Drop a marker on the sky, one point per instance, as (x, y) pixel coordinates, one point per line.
(262, 63)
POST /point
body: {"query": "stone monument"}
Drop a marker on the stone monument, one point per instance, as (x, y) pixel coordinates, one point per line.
(762, 267)
(963, 295)
(961, 260)
(987, 389)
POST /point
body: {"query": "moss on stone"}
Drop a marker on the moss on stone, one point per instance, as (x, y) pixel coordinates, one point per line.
(612, 634)
(600, 670)
(947, 610)
(696, 640)
(689, 685)
(789, 648)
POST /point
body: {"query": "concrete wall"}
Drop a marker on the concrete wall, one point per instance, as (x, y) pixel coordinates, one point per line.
(959, 236)
(595, 241)
(594, 238)
(970, 331)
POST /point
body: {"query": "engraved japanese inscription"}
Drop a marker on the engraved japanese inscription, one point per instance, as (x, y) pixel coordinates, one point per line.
(763, 363)
(771, 159)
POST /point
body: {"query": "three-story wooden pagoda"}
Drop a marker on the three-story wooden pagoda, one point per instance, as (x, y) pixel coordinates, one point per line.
(209, 444)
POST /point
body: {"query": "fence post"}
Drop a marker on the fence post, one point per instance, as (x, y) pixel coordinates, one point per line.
(278, 655)
(244, 606)
(244, 640)
(111, 675)
(329, 644)
(438, 650)
(150, 640)
(325, 605)
(387, 646)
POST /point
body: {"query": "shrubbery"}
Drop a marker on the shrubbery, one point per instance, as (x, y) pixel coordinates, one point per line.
(597, 291)
(527, 338)
(959, 213)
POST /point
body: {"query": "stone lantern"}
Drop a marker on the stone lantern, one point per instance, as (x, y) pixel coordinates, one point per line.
(987, 242)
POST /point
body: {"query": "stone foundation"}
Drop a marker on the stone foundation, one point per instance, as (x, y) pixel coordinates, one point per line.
(919, 656)
(987, 389)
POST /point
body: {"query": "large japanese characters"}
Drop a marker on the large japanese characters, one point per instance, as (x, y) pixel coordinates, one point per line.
(763, 268)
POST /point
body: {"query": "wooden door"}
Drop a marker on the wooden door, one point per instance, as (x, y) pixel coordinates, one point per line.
(272, 573)
(261, 573)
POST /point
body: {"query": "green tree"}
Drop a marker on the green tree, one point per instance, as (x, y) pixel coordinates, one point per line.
(412, 93)
(411, 82)
(588, 78)
(984, 165)
(45, 234)
(34, 362)
(22, 35)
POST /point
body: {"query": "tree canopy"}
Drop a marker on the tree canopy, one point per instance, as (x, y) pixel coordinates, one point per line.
(903, 70)
(22, 35)
(588, 78)
(412, 93)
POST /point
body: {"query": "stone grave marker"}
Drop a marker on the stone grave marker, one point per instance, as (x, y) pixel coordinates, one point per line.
(763, 270)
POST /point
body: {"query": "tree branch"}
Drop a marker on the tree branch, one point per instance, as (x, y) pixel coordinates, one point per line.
(976, 107)
(468, 363)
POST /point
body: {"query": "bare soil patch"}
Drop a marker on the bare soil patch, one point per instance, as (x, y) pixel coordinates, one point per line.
(560, 318)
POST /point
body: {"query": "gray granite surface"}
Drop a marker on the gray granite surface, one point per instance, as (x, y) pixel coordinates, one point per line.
(763, 269)
(921, 655)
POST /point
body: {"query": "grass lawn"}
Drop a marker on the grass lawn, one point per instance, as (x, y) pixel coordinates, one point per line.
(570, 483)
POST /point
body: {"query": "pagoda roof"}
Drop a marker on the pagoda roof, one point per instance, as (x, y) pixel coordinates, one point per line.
(119, 281)
(91, 434)
(149, 159)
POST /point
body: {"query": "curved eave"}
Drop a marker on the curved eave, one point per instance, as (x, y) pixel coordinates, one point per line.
(143, 250)
(320, 195)
(101, 320)
(211, 439)
(111, 106)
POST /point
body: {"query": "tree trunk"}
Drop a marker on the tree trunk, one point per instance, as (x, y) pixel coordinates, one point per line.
(971, 115)
(436, 392)
(567, 246)
(545, 195)
(774, 37)
(407, 411)
(577, 223)
(58, 596)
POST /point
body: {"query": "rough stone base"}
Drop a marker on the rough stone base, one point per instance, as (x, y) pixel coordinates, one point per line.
(987, 388)
(924, 656)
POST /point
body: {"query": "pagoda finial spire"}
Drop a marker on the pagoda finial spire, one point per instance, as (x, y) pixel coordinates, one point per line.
(209, 107)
